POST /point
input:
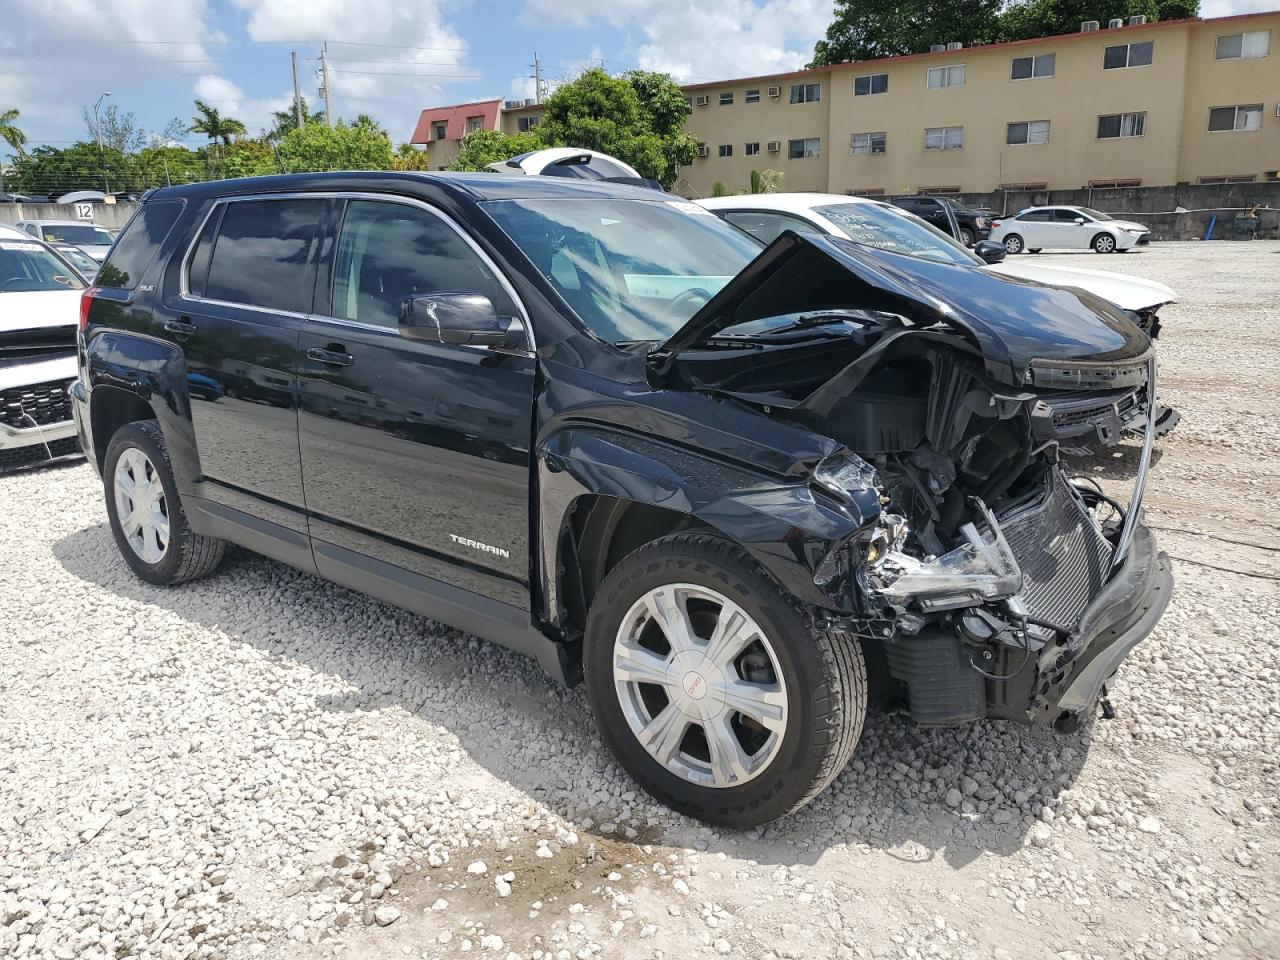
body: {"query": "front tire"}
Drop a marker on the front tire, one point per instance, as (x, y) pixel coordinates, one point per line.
(146, 514)
(713, 689)
(1013, 244)
(966, 236)
(1104, 243)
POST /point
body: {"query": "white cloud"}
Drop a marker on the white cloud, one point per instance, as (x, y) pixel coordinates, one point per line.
(1228, 8)
(730, 38)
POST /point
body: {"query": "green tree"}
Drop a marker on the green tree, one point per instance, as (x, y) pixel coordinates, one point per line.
(81, 166)
(215, 126)
(633, 117)
(483, 147)
(364, 120)
(315, 146)
(868, 29)
(9, 132)
(1026, 19)
(162, 165)
(409, 157)
(286, 120)
(247, 158)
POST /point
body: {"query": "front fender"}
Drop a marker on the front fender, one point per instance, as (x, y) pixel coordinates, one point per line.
(786, 525)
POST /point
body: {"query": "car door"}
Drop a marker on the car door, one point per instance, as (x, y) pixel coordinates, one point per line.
(415, 455)
(1035, 229)
(247, 290)
(1069, 233)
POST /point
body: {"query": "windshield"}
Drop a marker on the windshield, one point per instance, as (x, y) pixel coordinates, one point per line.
(80, 260)
(1094, 214)
(25, 266)
(630, 269)
(75, 233)
(870, 225)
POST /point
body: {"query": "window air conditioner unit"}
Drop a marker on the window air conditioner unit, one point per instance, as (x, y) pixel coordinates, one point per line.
(1117, 22)
(955, 45)
(703, 150)
(701, 100)
(1137, 21)
(775, 92)
(774, 146)
(937, 47)
(1088, 26)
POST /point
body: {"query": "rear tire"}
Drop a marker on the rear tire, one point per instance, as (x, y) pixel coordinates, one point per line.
(740, 641)
(1104, 243)
(1013, 244)
(153, 535)
(966, 236)
(1034, 249)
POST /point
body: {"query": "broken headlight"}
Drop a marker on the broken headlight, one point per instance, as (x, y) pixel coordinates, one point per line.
(845, 473)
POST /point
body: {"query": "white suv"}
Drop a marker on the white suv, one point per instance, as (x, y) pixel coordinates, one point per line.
(1067, 228)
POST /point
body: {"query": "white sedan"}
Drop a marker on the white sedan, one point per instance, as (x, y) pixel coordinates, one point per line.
(1067, 228)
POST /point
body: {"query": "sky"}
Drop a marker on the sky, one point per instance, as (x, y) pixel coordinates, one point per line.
(388, 58)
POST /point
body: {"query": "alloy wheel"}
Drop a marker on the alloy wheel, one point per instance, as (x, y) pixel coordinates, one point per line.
(700, 685)
(1104, 243)
(141, 508)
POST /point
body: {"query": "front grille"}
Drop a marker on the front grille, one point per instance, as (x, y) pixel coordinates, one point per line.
(15, 458)
(1064, 559)
(1081, 411)
(43, 403)
(39, 344)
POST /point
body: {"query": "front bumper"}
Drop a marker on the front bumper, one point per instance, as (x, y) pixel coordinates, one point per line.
(34, 427)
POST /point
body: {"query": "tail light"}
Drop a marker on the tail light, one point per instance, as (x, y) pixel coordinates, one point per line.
(86, 301)
(994, 224)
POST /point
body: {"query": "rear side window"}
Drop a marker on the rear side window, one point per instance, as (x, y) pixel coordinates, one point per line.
(137, 246)
(261, 252)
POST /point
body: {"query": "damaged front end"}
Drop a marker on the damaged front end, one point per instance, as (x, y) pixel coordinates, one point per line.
(994, 583)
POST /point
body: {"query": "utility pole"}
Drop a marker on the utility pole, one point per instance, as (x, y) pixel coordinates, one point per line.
(537, 79)
(324, 74)
(97, 133)
(297, 94)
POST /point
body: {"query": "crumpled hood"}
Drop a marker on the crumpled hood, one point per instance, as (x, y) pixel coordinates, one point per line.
(1012, 321)
(1129, 292)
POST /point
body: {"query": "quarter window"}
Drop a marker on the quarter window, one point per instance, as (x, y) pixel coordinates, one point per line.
(751, 149)
(1243, 46)
(751, 96)
(726, 149)
(870, 84)
(1127, 55)
(806, 92)
(809, 147)
(1246, 117)
(943, 138)
(260, 257)
(137, 246)
(868, 143)
(1117, 125)
(391, 251)
(726, 99)
(1027, 68)
(952, 76)
(1028, 131)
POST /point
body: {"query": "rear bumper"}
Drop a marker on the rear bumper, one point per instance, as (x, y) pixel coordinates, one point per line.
(80, 417)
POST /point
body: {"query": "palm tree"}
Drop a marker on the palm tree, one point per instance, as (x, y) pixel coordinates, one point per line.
(364, 120)
(215, 126)
(9, 132)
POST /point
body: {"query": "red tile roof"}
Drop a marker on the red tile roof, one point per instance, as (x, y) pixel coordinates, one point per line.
(456, 118)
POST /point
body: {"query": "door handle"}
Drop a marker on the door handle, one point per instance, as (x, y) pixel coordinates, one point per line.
(334, 358)
(183, 328)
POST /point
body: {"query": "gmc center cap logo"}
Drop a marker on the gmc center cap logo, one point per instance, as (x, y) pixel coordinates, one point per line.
(695, 686)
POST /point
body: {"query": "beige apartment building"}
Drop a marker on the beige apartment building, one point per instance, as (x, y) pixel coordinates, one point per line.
(1138, 104)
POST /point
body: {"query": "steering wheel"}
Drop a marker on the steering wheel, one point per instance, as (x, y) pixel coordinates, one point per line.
(692, 295)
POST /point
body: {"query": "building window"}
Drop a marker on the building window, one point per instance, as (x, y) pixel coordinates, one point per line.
(726, 150)
(1242, 178)
(1115, 125)
(798, 149)
(1025, 187)
(525, 124)
(1243, 46)
(474, 124)
(1027, 68)
(752, 96)
(952, 76)
(940, 191)
(943, 138)
(751, 149)
(872, 83)
(1114, 184)
(865, 144)
(806, 92)
(726, 99)
(866, 191)
(1028, 131)
(1127, 55)
(1247, 117)
(440, 127)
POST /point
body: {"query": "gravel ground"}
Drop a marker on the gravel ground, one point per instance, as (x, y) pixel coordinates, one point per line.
(262, 765)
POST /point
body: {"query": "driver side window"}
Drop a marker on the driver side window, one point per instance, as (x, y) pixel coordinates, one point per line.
(767, 227)
(390, 251)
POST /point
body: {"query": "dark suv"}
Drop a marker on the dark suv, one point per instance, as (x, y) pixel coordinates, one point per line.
(718, 483)
(970, 225)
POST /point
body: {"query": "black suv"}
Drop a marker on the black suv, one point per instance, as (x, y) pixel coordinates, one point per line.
(969, 227)
(719, 484)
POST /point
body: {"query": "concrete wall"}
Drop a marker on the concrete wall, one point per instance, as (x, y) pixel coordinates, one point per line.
(113, 216)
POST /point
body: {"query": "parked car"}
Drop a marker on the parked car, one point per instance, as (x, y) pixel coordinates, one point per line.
(1068, 228)
(972, 225)
(89, 237)
(884, 226)
(573, 162)
(605, 428)
(39, 308)
(84, 264)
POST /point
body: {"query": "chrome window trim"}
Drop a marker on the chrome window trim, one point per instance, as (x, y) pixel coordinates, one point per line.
(184, 290)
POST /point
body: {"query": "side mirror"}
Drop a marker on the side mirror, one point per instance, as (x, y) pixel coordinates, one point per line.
(990, 251)
(1079, 221)
(467, 318)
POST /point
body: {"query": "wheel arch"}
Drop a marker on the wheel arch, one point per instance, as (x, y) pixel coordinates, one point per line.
(111, 408)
